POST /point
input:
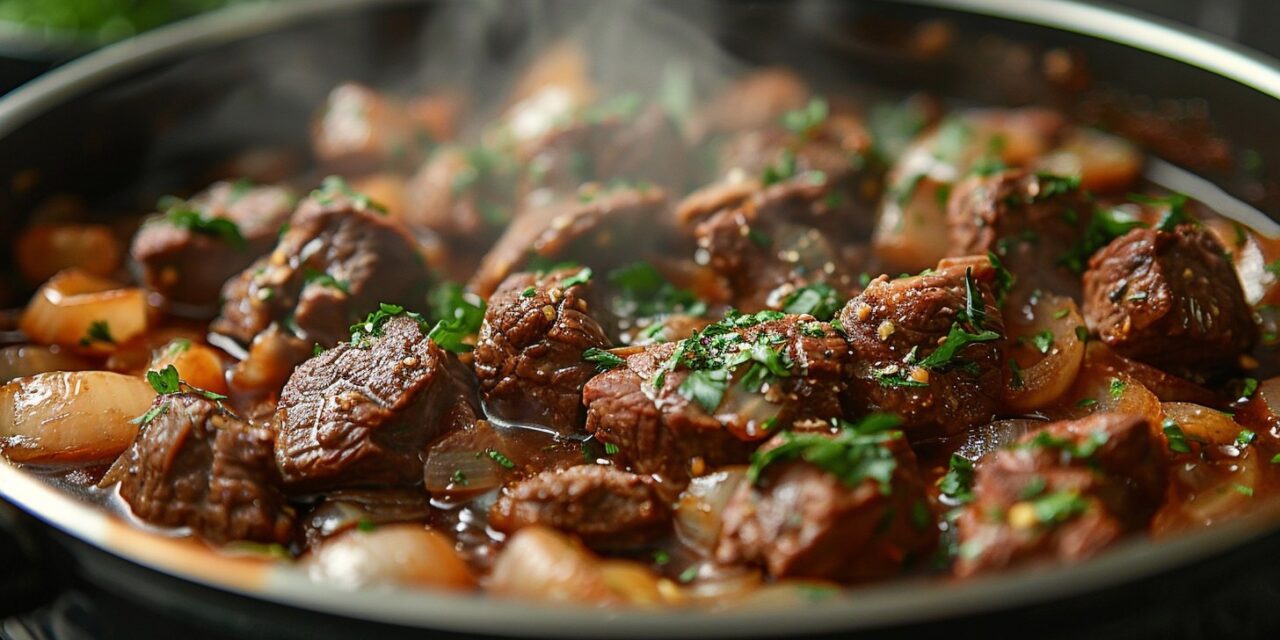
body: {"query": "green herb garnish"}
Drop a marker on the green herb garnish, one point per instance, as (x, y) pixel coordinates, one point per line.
(603, 360)
(858, 453)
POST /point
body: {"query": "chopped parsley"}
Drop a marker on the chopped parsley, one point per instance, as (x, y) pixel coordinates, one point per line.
(1015, 374)
(857, 454)
(643, 292)
(371, 327)
(784, 169)
(165, 382)
(661, 557)
(98, 331)
(1177, 439)
(1043, 341)
(1177, 213)
(181, 214)
(458, 316)
(154, 412)
(819, 300)
(365, 525)
(720, 347)
(1004, 279)
(1104, 226)
(1060, 314)
(611, 449)
(706, 387)
(957, 339)
(1083, 450)
(334, 186)
(1275, 459)
(529, 292)
(1058, 507)
(1086, 403)
(498, 457)
(1245, 438)
(1243, 490)
(177, 347)
(325, 280)
(459, 478)
(583, 276)
(957, 485)
(603, 360)
(1248, 387)
(806, 120)
(1116, 388)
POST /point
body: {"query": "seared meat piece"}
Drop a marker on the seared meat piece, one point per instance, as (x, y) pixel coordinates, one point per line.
(801, 521)
(466, 195)
(529, 356)
(363, 415)
(780, 239)
(751, 376)
(1171, 299)
(196, 465)
(603, 505)
(360, 130)
(1032, 221)
(613, 140)
(185, 260)
(339, 259)
(1065, 492)
(756, 100)
(899, 329)
(599, 230)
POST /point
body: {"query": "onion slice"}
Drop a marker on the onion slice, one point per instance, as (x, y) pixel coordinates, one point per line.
(83, 312)
(71, 417)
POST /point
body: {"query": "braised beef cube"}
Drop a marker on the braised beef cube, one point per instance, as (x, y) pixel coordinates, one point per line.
(756, 100)
(464, 194)
(1063, 493)
(529, 356)
(359, 130)
(339, 259)
(616, 140)
(603, 505)
(196, 465)
(187, 252)
(1035, 223)
(802, 521)
(599, 229)
(1171, 299)
(776, 242)
(922, 354)
(753, 376)
(363, 415)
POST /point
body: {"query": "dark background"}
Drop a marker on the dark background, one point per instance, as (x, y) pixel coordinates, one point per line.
(37, 601)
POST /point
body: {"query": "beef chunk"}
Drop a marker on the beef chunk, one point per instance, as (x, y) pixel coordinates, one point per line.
(466, 195)
(183, 258)
(600, 230)
(1065, 492)
(603, 505)
(1170, 299)
(800, 521)
(1033, 222)
(363, 415)
(778, 240)
(196, 465)
(529, 356)
(339, 259)
(614, 140)
(359, 130)
(896, 326)
(668, 419)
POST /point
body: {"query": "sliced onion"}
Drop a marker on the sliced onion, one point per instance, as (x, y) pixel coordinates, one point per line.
(720, 585)
(1044, 377)
(701, 505)
(45, 249)
(635, 583)
(448, 472)
(541, 564)
(1102, 387)
(1208, 490)
(400, 554)
(197, 364)
(910, 231)
(1102, 161)
(1203, 424)
(78, 416)
(69, 304)
(29, 359)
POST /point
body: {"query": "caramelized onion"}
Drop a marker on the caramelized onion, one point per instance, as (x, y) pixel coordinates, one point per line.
(1102, 161)
(541, 564)
(402, 554)
(1100, 387)
(1048, 351)
(451, 471)
(45, 249)
(78, 416)
(1202, 424)
(197, 364)
(29, 359)
(87, 313)
(697, 518)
